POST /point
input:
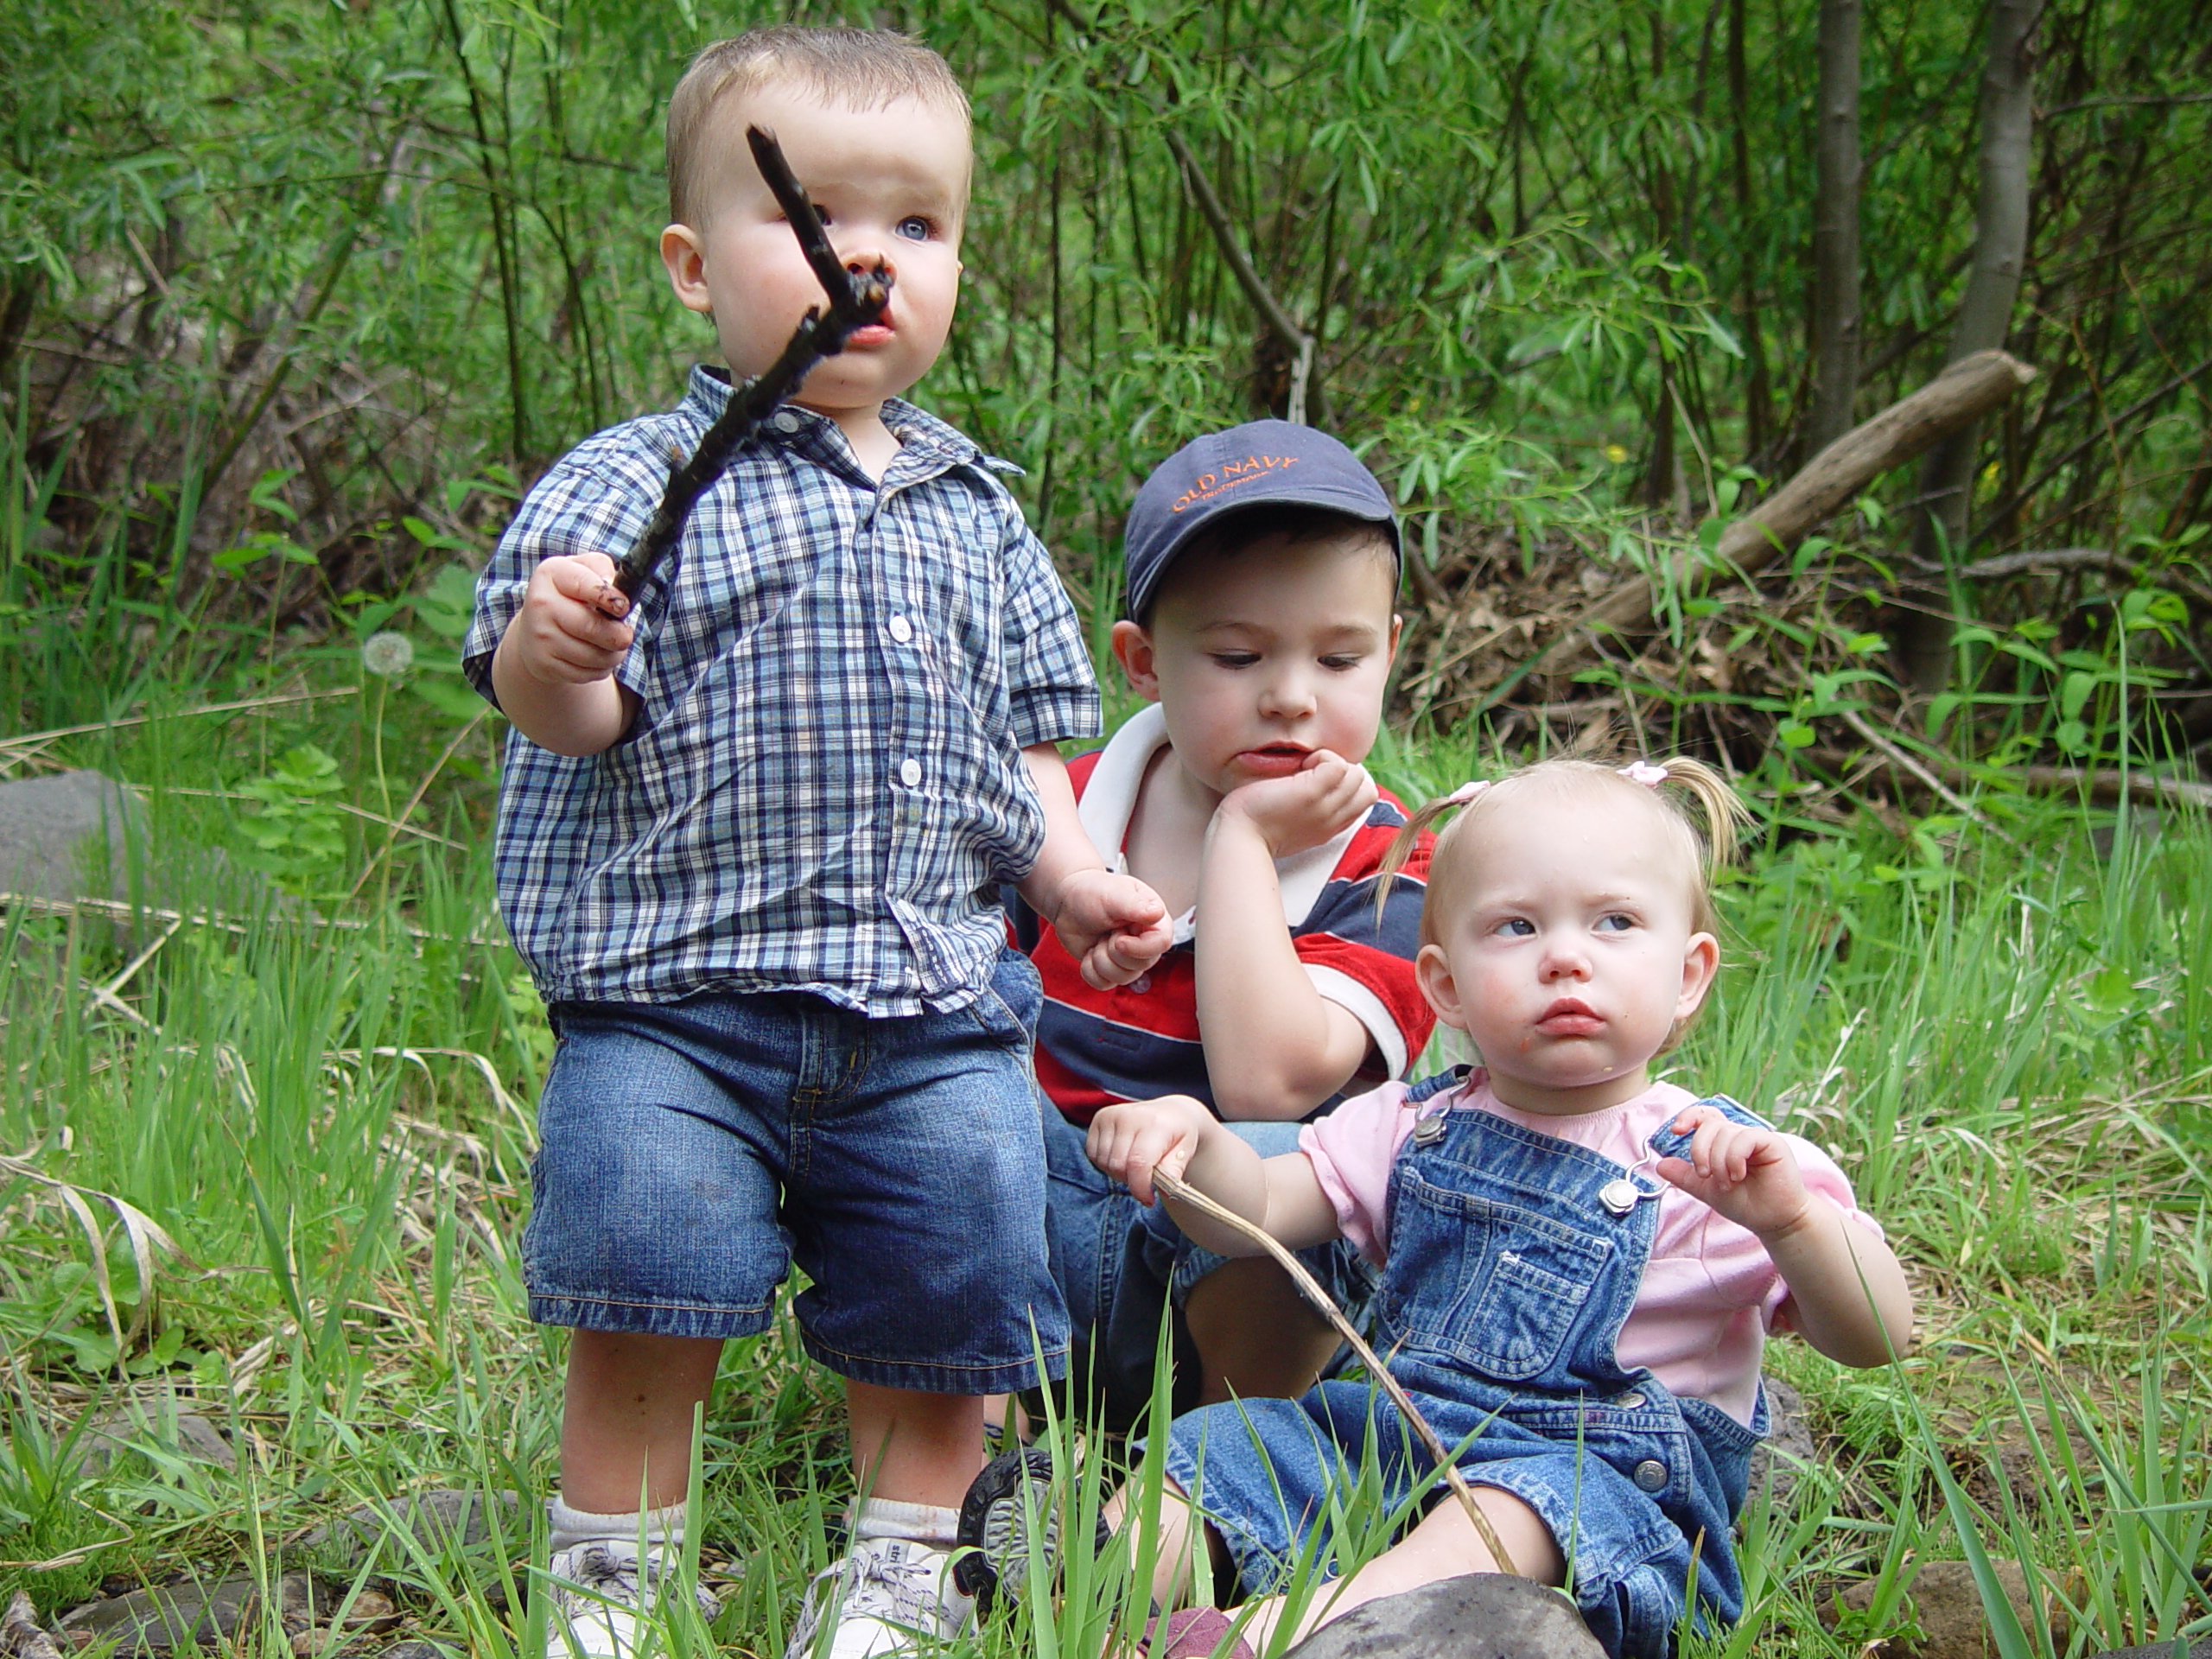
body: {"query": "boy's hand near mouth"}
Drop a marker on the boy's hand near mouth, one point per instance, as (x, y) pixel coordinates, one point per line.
(1318, 794)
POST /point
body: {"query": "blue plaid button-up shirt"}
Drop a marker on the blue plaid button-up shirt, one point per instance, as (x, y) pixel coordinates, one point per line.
(823, 785)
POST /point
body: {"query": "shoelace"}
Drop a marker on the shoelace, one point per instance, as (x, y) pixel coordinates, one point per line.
(605, 1574)
(895, 1588)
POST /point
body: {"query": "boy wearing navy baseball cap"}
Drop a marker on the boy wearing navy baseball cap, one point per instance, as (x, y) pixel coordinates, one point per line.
(1262, 568)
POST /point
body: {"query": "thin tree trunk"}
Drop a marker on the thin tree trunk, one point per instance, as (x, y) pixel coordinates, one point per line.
(1835, 226)
(2007, 120)
(1759, 397)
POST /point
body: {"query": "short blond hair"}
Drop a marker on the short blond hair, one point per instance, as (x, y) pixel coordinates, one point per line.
(864, 67)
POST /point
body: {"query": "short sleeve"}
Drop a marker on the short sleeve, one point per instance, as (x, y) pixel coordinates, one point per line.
(1362, 960)
(584, 504)
(1352, 1150)
(1052, 690)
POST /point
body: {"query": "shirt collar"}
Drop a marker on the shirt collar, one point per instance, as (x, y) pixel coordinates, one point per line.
(1110, 801)
(928, 445)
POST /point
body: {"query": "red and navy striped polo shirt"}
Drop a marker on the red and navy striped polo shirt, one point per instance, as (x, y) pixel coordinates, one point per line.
(1141, 1039)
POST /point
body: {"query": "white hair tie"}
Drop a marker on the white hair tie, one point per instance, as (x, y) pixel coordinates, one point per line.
(1466, 791)
(1643, 771)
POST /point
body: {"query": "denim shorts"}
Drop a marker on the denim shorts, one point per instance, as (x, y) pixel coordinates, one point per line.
(1122, 1268)
(1270, 1475)
(693, 1151)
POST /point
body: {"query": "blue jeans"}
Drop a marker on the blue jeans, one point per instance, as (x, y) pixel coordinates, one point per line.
(1122, 1268)
(693, 1151)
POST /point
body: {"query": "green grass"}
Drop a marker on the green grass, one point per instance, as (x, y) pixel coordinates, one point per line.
(326, 1102)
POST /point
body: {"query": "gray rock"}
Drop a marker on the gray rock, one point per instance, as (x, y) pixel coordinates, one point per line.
(186, 1434)
(1481, 1615)
(415, 1650)
(1788, 1446)
(434, 1520)
(178, 1618)
(65, 837)
(2201, 1649)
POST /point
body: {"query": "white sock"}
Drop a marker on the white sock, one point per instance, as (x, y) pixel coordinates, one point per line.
(572, 1527)
(923, 1524)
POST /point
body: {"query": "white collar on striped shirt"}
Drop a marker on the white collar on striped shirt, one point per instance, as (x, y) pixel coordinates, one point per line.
(1110, 800)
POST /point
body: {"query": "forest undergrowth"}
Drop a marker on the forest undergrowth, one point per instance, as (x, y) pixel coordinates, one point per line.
(297, 298)
(267, 1139)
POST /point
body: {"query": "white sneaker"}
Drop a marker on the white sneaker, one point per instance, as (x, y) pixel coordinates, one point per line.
(885, 1597)
(598, 1594)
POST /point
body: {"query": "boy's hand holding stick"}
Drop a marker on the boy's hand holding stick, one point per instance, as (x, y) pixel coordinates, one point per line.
(856, 300)
(1182, 1192)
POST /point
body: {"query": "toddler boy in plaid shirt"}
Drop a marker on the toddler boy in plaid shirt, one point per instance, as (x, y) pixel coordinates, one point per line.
(751, 834)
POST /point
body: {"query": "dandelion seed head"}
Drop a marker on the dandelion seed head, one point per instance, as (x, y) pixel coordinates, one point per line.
(388, 655)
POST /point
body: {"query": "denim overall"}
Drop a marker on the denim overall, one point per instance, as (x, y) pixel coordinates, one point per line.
(1514, 1260)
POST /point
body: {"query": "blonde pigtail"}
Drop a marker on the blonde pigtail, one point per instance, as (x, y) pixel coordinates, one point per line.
(1401, 846)
(1719, 804)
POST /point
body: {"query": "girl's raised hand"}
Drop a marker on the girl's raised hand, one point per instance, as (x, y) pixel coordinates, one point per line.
(1748, 1174)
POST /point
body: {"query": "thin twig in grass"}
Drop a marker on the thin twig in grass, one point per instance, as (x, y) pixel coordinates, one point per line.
(1958, 803)
(395, 826)
(23, 746)
(114, 986)
(103, 998)
(228, 924)
(392, 834)
(1310, 1288)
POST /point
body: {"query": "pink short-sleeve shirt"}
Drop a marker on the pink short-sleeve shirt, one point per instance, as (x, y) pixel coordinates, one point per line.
(1710, 1291)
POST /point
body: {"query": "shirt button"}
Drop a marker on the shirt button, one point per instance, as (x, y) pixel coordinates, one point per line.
(1142, 983)
(910, 772)
(1630, 1401)
(901, 629)
(1650, 1475)
(784, 421)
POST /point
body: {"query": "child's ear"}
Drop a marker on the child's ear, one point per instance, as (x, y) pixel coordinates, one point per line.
(1700, 962)
(1132, 648)
(1397, 626)
(686, 260)
(1433, 973)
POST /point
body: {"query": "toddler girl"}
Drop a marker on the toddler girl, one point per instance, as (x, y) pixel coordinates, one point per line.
(1580, 1265)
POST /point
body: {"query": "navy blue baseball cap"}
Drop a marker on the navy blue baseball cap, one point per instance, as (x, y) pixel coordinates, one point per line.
(1262, 463)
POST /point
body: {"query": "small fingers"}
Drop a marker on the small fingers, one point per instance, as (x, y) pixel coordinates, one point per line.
(588, 578)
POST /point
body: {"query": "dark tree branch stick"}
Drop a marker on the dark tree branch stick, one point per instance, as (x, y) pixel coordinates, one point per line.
(856, 300)
(1295, 340)
(1182, 1192)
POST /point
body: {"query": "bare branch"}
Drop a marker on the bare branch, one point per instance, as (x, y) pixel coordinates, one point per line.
(1295, 340)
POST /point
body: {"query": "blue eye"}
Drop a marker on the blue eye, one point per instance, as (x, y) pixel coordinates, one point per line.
(1520, 927)
(1616, 923)
(915, 228)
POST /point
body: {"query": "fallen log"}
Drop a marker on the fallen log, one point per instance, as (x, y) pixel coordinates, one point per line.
(1964, 392)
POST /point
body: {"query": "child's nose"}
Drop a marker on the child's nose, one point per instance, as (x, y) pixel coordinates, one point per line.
(1286, 696)
(1563, 960)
